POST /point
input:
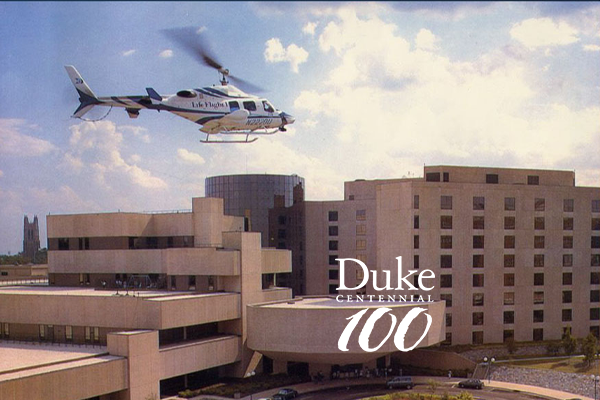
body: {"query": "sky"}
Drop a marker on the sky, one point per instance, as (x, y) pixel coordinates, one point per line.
(377, 89)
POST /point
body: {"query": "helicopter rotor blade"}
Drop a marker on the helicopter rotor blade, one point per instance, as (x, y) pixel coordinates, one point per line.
(192, 42)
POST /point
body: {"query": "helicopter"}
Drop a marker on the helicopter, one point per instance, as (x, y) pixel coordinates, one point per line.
(222, 109)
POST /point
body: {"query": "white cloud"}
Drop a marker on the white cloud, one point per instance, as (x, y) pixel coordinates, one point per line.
(128, 53)
(97, 147)
(167, 53)
(135, 158)
(543, 32)
(310, 28)
(15, 142)
(591, 47)
(189, 157)
(275, 53)
(201, 29)
(426, 40)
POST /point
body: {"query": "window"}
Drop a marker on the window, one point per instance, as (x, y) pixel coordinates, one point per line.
(333, 216)
(538, 297)
(538, 335)
(432, 177)
(509, 279)
(567, 242)
(595, 260)
(333, 231)
(509, 204)
(540, 204)
(509, 298)
(538, 279)
(508, 335)
(567, 278)
(361, 244)
(445, 261)
(567, 315)
(509, 222)
(447, 297)
(595, 205)
(361, 215)
(477, 337)
(416, 222)
(533, 180)
(596, 224)
(446, 222)
(250, 105)
(595, 278)
(446, 202)
(446, 281)
(567, 260)
(416, 262)
(568, 224)
(539, 242)
(568, 205)
(448, 340)
(478, 223)
(509, 242)
(333, 245)
(416, 201)
(68, 333)
(268, 107)
(361, 230)
(478, 241)
(334, 274)
(477, 318)
(332, 259)
(594, 314)
(477, 280)
(416, 241)
(539, 223)
(477, 299)
(594, 296)
(42, 332)
(446, 242)
(509, 317)
(595, 242)
(448, 319)
(332, 289)
(360, 274)
(361, 257)
(491, 178)
(567, 296)
(538, 260)
(478, 261)
(478, 203)
(63, 243)
(538, 315)
(446, 176)
(234, 106)
(509, 261)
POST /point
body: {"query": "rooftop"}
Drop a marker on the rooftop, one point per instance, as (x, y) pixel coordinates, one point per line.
(331, 302)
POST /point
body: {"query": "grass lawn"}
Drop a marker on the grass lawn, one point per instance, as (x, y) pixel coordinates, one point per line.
(564, 364)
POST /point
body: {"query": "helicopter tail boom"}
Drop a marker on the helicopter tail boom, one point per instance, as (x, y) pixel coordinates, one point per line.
(87, 98)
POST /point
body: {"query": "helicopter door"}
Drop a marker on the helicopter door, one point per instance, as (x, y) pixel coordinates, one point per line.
(250, 106)
(234, 106)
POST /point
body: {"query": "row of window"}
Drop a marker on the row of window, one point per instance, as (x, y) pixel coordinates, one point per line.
(538, 316)
(539, 223)
(489, 178)
(538, 298)
(539, 260)
(509, 334)
(510, 204)
(46, 333)
(361, 215)
(361, 230)
(539, 242)
(509, 279)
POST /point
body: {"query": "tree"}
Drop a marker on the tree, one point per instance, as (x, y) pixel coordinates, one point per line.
(465, 396)
(589, 348)
(432, 385)
(569, 343)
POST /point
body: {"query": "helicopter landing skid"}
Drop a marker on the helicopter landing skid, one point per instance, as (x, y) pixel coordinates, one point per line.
(246, 140)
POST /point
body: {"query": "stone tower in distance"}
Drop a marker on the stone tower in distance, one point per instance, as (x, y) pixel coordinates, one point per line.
(31, 237)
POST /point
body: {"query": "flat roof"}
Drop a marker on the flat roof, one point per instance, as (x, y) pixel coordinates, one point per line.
(91, 292)
(331, 302)
(21, 358)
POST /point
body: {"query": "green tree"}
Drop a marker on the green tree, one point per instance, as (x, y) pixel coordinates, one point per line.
(589, 348)
(465, 396)
(569, 343)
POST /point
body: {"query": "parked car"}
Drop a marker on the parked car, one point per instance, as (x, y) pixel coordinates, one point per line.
(471, 384)
(400, 382)
(285, 394)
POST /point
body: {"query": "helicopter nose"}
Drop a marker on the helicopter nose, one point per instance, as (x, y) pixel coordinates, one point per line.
(287, 118)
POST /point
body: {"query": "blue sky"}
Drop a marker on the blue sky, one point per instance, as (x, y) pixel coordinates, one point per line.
(378, 90)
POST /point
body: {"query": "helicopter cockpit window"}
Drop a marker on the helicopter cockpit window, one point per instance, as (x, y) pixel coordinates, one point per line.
(250, 105)
(268, 107)
(188, 94)
(234, 106)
